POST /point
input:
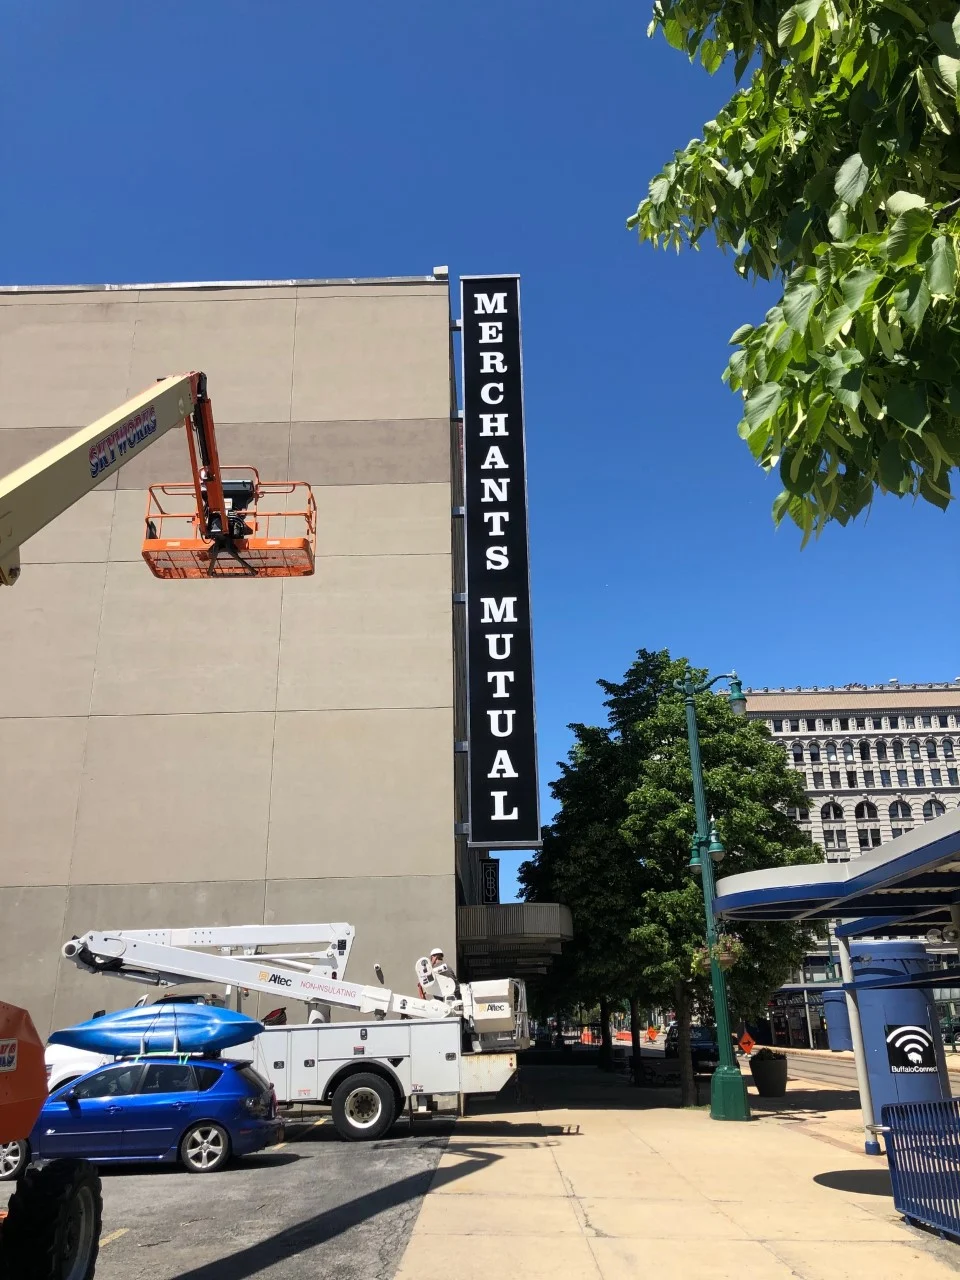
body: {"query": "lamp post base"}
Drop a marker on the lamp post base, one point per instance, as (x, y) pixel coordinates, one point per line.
(728, 1095)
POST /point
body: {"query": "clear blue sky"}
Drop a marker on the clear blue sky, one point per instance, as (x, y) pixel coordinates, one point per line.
(228, 139)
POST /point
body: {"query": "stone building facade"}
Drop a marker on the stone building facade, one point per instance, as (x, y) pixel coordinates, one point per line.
(876, 760)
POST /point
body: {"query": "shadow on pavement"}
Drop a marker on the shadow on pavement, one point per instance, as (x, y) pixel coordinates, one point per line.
(865, 1182)
(335, 1221)
(805, 1104)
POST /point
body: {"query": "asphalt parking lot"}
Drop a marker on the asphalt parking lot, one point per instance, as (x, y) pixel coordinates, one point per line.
(316, 1206)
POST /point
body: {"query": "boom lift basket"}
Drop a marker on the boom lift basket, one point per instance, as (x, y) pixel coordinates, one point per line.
(278, 532)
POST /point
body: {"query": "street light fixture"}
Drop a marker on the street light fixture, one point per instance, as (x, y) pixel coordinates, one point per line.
(728, 1089)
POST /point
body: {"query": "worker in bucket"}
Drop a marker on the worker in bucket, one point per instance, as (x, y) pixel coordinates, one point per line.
(440, 967)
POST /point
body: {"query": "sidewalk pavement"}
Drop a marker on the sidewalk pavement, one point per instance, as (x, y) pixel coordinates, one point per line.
(592, 1179)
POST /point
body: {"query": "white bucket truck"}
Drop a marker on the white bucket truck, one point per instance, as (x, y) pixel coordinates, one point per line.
(424, 1053)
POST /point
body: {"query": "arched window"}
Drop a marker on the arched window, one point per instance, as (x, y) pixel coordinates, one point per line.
(834, 830)
(831, 813)
(914, 749)
(900, 811)
(898, 750)
(881, 751)
(948, 748)
(868, 827)
(932, 809)
(831, 753)
(865, 751)
(848, 752)
(931, 749)
(797, 753)
(814, 753)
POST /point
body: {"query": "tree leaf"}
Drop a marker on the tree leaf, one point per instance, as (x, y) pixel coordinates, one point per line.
(911, 302)
(940, 269)
(907, 403)
(797, 304)
(791, 27)
(852, 178)
(901, 201)
(741, 334)
(891, 464)
(945, 37)
(905, 235)
(947, 69)
(858, 287)
(837, 224)
(762, 403)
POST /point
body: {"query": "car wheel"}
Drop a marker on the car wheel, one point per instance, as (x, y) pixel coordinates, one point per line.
(364, 1107)
(52, 1231)
(14, 1158)
(205, 1148)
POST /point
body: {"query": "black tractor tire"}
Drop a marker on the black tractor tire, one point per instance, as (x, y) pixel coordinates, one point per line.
(14, 1158)
(52, 1230)
(364, 1107)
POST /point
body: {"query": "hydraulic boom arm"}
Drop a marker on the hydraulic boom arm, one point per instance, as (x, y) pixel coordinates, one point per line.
(167, 957)
(43, 489)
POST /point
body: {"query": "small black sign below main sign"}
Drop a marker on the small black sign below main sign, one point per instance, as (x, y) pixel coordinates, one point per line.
(910, 1050)
(504, 808)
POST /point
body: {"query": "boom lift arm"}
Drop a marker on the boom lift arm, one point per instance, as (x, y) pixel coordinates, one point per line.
(222, 519)
(171, 957)
(44, 488)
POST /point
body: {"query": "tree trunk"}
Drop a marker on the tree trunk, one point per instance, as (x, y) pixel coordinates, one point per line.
(635, 1036)
(606, 1040)
(688, 1094)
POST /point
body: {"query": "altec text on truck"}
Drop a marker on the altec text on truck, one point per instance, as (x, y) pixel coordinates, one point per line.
(503, 792)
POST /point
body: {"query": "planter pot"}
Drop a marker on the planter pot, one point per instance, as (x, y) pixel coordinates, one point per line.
(770, 1077)
(703, 968)
(726, 960)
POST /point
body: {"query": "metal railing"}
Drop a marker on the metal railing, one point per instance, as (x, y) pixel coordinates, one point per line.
(923, 1152)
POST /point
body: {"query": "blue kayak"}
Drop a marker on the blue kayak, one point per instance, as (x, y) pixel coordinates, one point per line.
(166, 1028)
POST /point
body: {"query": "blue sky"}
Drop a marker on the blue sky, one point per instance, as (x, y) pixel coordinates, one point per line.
(231, 139)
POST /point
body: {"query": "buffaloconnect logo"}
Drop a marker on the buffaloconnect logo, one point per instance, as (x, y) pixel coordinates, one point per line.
(8, 1055)
(910, 1050)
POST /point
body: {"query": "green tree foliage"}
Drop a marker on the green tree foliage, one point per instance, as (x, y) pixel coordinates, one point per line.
(619, 849)
(835, 170)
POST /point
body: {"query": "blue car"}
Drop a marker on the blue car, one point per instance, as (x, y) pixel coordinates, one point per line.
(198, 1111)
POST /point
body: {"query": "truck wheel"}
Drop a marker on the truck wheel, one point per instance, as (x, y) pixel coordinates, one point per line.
(52, 1231)
(364, 1107)
(14, 1158)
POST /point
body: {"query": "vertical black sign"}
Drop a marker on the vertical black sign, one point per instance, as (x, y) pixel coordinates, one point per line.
(504, 798)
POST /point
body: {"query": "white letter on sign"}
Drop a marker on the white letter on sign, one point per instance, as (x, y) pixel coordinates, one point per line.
(498, 610)
(492, 362)
(502, 767)
(495, 729)
(500, 678)
(491, 304)
(499, 813)
(488, 390)
(493, 424)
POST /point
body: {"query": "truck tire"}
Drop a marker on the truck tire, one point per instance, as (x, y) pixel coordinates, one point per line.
(364, 1107)
(14, 1158)
(52, 1231)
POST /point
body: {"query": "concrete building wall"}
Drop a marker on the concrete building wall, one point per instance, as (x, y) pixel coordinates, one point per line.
(233, 751)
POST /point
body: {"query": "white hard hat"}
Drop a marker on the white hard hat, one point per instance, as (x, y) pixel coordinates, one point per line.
(437, 951)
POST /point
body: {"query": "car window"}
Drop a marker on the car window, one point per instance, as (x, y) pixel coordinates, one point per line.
(207, 1077)
(254, 1078)
(168, 1077)
(113, 1082)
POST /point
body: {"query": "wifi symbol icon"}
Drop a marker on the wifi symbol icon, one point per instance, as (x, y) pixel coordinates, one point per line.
(910, 1048)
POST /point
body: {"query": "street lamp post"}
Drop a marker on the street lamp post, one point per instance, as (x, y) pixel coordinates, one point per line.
(728, 1089)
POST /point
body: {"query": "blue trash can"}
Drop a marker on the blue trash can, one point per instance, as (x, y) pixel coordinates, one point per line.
(837, 1019)
(901, 1030)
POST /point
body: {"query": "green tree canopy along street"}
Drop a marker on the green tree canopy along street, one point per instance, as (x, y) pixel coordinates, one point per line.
(835, 169)
(618, 851)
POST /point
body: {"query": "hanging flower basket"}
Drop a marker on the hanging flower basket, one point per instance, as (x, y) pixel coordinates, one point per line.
(728, 950)
(700, 962)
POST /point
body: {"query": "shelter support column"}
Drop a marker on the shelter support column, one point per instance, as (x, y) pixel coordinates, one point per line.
(871, 1144)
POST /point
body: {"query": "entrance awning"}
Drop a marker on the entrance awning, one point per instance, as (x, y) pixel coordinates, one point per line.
(512, 939)
(907, 886)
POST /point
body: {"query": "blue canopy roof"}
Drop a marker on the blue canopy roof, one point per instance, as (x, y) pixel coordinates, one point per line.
(907, 886)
